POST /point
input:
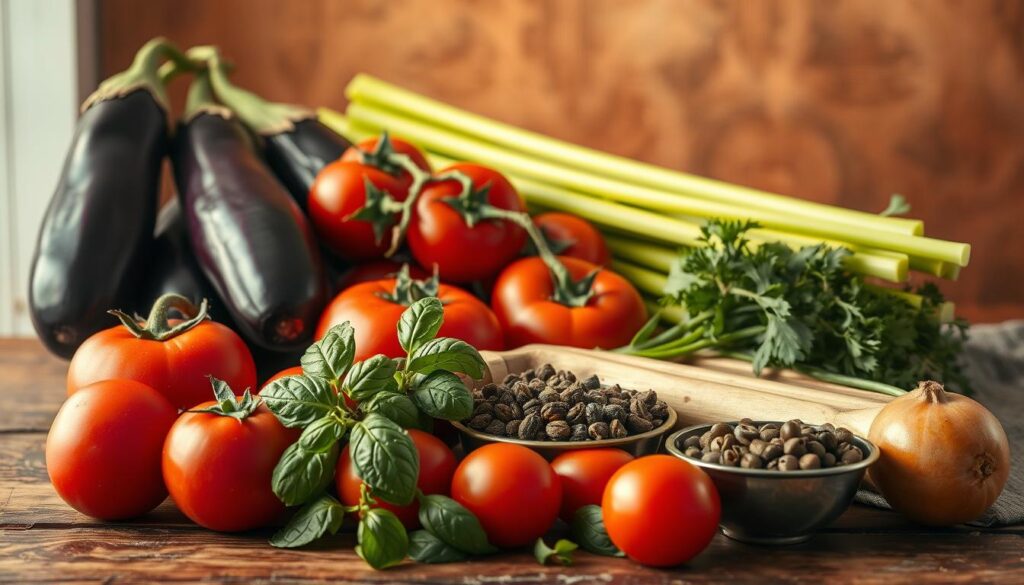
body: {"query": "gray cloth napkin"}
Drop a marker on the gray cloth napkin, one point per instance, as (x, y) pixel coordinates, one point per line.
(994, 358)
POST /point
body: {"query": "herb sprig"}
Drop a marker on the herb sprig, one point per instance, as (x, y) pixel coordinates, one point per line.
(369, 404)
(779, 307)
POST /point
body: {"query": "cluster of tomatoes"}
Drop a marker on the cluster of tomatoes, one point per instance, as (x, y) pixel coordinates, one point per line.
(486, 255)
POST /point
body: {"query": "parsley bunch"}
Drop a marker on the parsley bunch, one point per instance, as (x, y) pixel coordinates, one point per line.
(779, 307)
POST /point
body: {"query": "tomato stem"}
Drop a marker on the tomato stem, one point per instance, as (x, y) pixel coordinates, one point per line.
(157, 326)
(408, 290)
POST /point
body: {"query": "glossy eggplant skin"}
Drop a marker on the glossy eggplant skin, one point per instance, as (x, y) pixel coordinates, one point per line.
(250, 238)
(172, 268)
(298, 155)
(98, 227)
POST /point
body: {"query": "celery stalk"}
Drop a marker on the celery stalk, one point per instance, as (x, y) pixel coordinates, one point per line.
(366, 89)
(457, 145)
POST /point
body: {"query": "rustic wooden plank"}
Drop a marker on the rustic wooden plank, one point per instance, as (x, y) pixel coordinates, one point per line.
(33, 385)
(154, 554)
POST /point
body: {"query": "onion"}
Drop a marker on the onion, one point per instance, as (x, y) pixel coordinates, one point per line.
(944, 457)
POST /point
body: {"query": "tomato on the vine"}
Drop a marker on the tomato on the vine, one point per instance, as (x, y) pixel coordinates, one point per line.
(218, 465)
(584, 474)
(374, 308)
(522, 300)
(340, 190)
(574, 237)
(512, 491)
(439, 235)
(437, 465)
(660, 510)
(103, 449)
(172, 356)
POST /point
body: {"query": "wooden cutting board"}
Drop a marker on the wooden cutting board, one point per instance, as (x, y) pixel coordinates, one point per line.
(706, 391)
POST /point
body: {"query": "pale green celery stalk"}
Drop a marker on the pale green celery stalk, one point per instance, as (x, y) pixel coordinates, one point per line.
(461, 146)
(645, 280)
(646, 224)
(367, 89)
(645, 254)
(927, 266)
(950, 271)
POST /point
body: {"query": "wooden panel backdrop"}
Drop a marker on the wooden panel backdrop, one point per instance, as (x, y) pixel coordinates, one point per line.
(841, 102)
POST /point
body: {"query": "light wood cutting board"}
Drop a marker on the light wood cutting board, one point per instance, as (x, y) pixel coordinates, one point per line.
(707, 390)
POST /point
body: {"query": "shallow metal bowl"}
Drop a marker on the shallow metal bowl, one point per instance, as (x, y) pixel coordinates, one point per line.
(778, 507)
(643, 444)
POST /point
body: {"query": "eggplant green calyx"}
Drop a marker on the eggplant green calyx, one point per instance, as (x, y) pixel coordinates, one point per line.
(200, 99)
(158, 326)
(263, 117)
(408, 290)
(227, 403)
(143, 74)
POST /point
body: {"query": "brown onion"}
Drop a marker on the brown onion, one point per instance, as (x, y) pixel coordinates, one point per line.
(944, 457)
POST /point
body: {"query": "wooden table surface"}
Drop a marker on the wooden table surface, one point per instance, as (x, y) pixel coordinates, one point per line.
(43, 540)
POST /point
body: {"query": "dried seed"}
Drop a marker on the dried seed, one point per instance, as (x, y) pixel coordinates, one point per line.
(495, 428)
(579, 432)
(592, 383)
(694, 452)
(577, 414)
(614, 411)
(789, 430)
(711, 457)
(637, 407)
(617, 429)
(488, 390)
(480, 421)
(599, 430)
(719, 429)
(637, 425)
(852, 456)
(553, 411)
(529, 428)
(549, 395)
(536, 386)
(810, 461)
(648, 397)
(843, 435)
(788, 463)
(730, 458)
(545, 371)
(507, 397)
(745, 433)
(504, 413)
(751, 461)
(816, 448)
(594, 413)
(794, 446)
(483, 408)
(596, 396)
(558, 430)
(512, 428)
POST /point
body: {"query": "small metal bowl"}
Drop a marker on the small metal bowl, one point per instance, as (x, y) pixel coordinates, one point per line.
(643, 444)
(778, 507)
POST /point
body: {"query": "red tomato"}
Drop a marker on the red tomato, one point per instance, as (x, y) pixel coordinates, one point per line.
(340, 190)
(375, 318)
(584, 474)
(439, 235)
(511, 489)
(660, 510)
(376, 270)
(522, 302)
(218, 468)
(583, 239)
(399, 146)
(292, 371)
(177, 367)
(437, 464)
(103, 450)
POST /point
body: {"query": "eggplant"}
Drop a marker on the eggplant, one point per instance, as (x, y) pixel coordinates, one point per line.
(249, 237)
(97, 229)
(297, 155)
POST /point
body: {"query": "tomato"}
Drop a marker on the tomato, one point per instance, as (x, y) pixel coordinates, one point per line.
(511, 489)
(354, 154)
(437, 464)
(376, 270)
(373, 310)
(438, 235)
(178, 366)
(582, 238)
(660, 510)
(522, 301)
(584, 474)
(218, 468)
(103, 449)
(339, 190)
(292, 371)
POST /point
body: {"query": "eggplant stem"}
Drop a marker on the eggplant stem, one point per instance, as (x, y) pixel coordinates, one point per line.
(142, 74)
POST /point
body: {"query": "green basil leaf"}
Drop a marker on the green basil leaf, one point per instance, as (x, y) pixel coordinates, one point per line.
(453, 524)
(424, 547)
(443, 395)
(386, 458)
(331, 357)
(420, 323)
(297, 401)
(382, 539)
(588, 530)
(317, 518)
(560, 554)
(396, 406)
(371, 376)
(302, 474)
(446, 353)
(321, 434)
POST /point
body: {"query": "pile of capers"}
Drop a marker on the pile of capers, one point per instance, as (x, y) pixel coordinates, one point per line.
(789, 446)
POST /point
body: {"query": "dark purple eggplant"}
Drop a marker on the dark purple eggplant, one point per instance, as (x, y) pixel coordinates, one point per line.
(296, 145)
(297, 155)
(250, 238)
(96, 232)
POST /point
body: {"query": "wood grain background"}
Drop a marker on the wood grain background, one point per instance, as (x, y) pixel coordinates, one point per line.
(842, 102)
